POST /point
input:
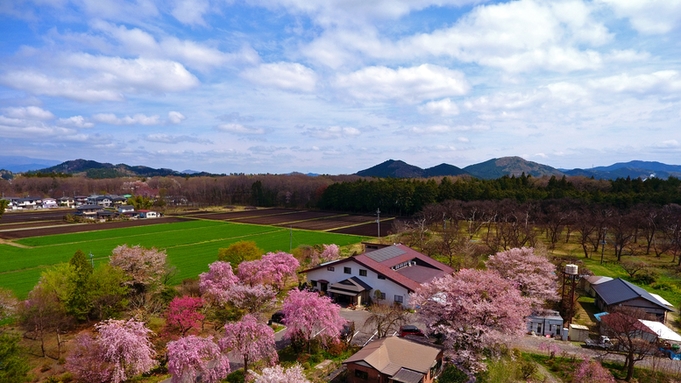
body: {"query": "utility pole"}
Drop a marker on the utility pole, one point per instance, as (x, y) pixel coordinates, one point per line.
(378, 221)
(605, 233)
(92, 260)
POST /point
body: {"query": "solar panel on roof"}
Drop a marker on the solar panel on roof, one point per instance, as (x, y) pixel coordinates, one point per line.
(385, 253)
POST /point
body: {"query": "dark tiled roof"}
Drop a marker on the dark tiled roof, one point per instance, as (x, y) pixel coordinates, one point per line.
(385, 253)
(618, 291)
(407, 376)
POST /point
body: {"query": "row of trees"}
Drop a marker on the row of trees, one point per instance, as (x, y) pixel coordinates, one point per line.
(409, 196)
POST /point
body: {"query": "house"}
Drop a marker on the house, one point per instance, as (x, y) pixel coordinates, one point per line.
(546, 323)
(102, 200)
(388, 274)
(147, 214)
(123, 209)
(67, 202)
(591, 281)
(88, 211)
(618, 292)
(49, 203)
(394, 359)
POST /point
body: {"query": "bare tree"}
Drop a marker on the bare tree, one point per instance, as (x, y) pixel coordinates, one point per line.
(386, 318)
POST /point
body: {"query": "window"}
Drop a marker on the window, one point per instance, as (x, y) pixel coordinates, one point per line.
(313, 283)
(330, 268)
(381, 276)
(381, 295)
(361, 374)
(399, 299)
(362, 273)
(347, 270)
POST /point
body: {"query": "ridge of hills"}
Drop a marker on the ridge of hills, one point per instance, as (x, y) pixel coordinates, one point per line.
(490, 169)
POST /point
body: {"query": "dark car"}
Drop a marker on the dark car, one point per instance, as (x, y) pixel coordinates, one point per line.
(409, 330)
(277, 317)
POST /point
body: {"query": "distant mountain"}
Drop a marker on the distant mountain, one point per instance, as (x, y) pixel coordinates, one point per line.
(18, 164)
(401, 169)
(632, 169)
(94, 169)
(510, 166)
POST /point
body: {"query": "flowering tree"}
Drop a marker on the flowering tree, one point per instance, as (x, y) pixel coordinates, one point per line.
(533, 275)
(309, 314)
(183, 313)
(272, 269)
(591, 371)
(253, 299)
(278, 374)
(120, 351)
(252, 340)
(217, 282)
(330, 253)
(474, 310)
(146, 268)
(634, 340)
(194, 356)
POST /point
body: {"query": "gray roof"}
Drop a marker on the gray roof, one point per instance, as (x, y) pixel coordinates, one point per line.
(407, 376)
(618, 291)
(385, 253)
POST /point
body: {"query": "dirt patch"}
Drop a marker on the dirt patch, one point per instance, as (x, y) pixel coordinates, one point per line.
(79, 228)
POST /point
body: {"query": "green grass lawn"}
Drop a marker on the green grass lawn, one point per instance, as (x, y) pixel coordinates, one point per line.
(190, 246)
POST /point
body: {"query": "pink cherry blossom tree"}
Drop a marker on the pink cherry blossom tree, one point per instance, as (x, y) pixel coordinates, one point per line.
(252, 340)
(183, 314)
(194, 356)
(272, 269)
(145, 268)
(121, 350)
(591, 371)
(278, 374)
(533, 275)
(310, 315)
(253, 299)
(215, 284)
(474, 310)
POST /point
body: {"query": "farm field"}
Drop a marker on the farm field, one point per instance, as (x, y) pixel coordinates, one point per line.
(191, 245)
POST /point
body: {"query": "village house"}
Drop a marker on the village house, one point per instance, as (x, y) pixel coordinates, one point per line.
(388, 275)
(618, 292)
(395, 359)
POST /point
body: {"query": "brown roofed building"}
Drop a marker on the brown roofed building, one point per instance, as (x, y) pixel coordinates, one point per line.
(394, 359)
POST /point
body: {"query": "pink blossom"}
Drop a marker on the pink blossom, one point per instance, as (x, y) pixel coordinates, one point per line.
(474, 310)
(252, 340)
(278, 374)
(194, 356)
(144, 267)
(183, 313)
(253, 299)
(272, 269)
(591, 371)
(216, 283)
(310, 315)
(533, 275)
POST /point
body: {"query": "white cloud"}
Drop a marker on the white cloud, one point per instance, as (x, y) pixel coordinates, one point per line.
(432, 129)
(444, 107)
(76, 121)
(190, 11)
(137, 119)
(663, 82)
(240, 129)
(175, 117)
(170, 139)
(408, 85)
(28, 112)
(333, 132)
(283, 75)
(648, 16)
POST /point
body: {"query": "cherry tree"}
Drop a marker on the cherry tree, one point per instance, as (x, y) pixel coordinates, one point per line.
(309, 315)
(194, 356)
(278, 374)
(272, 269)
(533, 275)
(592, 371)
(252, 340)
(146, 268)
(474, 310)
(215, 284)
(330, 253)
(253, 299)
(121, 350)
(183, 313)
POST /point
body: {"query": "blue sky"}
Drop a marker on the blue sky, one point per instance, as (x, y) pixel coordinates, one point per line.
(336, 86)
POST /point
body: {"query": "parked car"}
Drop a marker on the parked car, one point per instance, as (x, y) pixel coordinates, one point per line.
(277, 317)
(348, 332)
(411, 330)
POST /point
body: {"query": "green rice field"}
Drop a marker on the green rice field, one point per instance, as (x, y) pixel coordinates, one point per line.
(190, 246)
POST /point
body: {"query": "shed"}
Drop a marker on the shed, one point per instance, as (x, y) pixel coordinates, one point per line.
(547, 323)
(578, 333)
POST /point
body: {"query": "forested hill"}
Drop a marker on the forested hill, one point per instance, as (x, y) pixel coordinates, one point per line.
(409, 196)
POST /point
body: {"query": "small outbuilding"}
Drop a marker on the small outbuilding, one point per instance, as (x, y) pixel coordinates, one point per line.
(578, 333)
(547, 323)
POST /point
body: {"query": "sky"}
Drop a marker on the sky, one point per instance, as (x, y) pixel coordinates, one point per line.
(337, 86)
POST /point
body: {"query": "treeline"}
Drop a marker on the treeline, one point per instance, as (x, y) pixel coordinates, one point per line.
(409, 196)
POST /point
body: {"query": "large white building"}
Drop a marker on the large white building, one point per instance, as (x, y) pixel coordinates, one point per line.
(388, 274)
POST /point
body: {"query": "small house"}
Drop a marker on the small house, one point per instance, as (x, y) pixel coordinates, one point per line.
(147, 214)
(546, 323)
